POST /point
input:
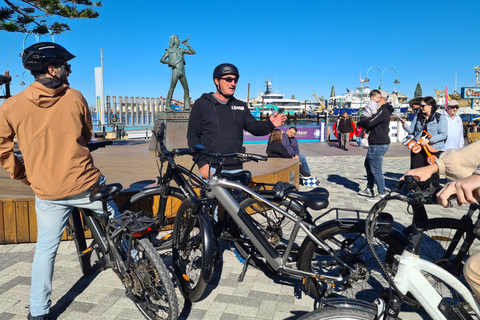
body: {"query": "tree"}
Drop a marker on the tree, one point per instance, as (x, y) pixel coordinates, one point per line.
(418, 91)
(34, 16)
(332, 93)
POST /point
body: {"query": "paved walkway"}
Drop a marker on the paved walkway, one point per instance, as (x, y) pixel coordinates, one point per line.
(101, 295)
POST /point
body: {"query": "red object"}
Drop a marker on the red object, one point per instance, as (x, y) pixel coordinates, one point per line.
(351, 132)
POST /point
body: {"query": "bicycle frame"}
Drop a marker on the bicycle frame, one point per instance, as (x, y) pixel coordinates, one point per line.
(409, 278)
(217, 189)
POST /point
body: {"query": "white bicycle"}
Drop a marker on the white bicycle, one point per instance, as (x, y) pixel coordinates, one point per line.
(412, 280)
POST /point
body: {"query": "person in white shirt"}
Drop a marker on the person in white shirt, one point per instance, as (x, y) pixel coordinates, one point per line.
(455, 126)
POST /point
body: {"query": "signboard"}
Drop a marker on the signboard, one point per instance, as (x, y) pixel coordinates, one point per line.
(470, 93)
(305, 134)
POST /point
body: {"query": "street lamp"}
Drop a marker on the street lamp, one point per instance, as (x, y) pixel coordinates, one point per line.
(381, 78)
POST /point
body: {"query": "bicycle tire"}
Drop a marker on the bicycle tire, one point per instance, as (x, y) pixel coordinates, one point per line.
(188, 253)
(149, 202)
(274, 226)
(78, 237)
(338, 314)
(349, 242)
(437, 239)
(152, 291)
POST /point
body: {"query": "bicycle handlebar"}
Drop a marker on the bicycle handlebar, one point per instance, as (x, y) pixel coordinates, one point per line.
(94, 145)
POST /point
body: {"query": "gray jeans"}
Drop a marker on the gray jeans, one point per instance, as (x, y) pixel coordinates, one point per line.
(344, 138)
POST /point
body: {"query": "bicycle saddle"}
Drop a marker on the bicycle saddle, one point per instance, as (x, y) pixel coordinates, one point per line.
(316, 199)
(104, 193)
(244, 177)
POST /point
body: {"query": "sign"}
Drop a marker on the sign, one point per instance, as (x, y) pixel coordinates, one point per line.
(470, 93)
(305, 134)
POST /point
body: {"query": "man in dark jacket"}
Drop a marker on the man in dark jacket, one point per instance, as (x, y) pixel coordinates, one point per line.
(379, 141)
(344, 128)
(218, 119)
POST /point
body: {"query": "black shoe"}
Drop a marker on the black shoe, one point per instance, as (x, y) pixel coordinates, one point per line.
(42, 317)
(345, 149)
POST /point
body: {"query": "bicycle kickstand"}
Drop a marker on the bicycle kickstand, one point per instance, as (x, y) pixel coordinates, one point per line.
(245, 266)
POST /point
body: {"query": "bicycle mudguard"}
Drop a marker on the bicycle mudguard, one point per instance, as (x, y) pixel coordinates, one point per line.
(208, 244)
(348, 303)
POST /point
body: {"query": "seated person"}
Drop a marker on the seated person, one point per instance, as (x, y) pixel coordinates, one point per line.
(291, 144)
(275, 149)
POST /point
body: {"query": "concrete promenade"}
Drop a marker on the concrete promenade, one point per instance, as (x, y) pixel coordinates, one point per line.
(101, 295)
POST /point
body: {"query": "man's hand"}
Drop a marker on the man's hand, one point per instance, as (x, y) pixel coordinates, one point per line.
(205, 171)
(296, 157)
(465, 189)
(422, 173)
(278, 119)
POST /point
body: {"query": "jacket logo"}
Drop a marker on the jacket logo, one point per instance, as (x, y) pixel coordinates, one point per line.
(238, 108)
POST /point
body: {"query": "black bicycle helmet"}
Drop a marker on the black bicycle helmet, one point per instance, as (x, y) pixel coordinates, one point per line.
(39, 56)
(225, 68)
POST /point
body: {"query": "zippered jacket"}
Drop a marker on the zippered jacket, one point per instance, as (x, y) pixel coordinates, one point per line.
(437, 128)
(53, 126)
(219, 128)
(378, 125)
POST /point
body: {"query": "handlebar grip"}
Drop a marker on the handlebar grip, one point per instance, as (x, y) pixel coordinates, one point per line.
(182, 151)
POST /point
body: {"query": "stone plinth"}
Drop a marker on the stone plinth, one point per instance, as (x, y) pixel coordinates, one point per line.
(176, 132)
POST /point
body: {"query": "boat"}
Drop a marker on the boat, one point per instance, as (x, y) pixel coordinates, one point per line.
(357, 99)
(270, 102)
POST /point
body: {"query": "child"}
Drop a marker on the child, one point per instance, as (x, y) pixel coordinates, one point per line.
(370, 110)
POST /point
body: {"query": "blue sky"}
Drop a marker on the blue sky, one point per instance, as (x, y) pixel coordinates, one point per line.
(305, 47)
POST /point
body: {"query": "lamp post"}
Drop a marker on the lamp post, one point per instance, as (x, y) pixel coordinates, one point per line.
(381, 78)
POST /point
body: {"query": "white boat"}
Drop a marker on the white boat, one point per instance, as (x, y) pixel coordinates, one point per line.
(270, 102)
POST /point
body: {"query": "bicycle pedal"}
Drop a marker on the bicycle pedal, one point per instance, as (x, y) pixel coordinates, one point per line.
(83, 253)
(311, 286)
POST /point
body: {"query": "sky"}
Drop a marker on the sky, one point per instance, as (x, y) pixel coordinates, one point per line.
(304, 47)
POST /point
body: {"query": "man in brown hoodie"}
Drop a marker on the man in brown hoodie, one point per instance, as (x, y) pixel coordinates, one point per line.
(53, 126)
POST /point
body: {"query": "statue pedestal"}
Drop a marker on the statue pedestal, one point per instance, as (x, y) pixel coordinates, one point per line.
(176, 129)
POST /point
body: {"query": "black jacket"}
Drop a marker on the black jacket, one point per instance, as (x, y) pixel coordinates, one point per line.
(277, 150)
(378, 125)
(345, 125)
(219, 127)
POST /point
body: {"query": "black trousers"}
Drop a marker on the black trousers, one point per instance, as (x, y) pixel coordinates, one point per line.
(418, 160)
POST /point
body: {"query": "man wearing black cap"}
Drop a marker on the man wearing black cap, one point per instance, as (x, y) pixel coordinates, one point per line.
(218, 119)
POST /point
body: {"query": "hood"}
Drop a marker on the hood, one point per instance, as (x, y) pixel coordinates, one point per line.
(389, 107)
(43, 96)
(209, 97)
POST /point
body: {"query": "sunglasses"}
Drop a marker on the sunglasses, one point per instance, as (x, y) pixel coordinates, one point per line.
(423, 105)
(229, 79)
(455, 107)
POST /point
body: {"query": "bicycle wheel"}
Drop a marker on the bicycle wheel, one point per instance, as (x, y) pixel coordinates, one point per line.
(78, 236)
(151, 289)
(152, 201)
(349, 242)
(438, 238)
(274, 226)
(340, 314)
(188, 252)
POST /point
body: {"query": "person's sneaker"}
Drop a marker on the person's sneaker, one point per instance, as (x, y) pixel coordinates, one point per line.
(366, 192)
(377, 198)
(42, 317)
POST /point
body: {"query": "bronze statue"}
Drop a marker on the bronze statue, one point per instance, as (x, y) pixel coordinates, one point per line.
(176, 61)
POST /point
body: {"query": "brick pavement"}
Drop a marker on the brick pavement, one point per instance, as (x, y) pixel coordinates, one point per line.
(101, 295)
